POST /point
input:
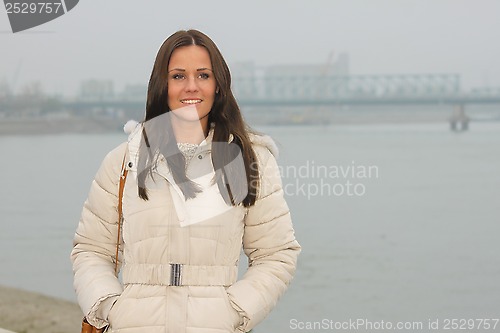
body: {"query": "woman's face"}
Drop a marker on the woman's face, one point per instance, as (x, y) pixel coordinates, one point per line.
(191, 84)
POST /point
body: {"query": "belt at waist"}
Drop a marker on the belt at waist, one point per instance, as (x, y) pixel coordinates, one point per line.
(179, 275)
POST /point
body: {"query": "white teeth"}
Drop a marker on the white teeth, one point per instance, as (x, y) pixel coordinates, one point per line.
(191, 101)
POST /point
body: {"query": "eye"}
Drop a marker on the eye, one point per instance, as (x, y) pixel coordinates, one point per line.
(204, 76)
(177, 76)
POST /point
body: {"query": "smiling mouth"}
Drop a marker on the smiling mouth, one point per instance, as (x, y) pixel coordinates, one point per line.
(191, 101)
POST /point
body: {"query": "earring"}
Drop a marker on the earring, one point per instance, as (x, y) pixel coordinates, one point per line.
(217, 90)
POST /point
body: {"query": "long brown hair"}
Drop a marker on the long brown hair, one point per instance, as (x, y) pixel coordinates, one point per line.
(226, 116)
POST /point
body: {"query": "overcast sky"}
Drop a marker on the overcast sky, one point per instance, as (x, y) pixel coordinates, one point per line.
(118, 39)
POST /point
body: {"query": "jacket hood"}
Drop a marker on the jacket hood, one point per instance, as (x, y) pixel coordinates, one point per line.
(265, 141)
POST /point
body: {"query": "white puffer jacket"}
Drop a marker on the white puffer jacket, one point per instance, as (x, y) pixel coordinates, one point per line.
(180, 257)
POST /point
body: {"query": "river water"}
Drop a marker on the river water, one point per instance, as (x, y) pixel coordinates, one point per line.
(397, 222)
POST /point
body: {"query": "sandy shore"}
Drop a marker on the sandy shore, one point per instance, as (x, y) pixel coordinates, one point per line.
(27, 312)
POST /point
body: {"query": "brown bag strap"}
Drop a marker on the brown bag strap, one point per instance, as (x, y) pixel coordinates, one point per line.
(123, 177)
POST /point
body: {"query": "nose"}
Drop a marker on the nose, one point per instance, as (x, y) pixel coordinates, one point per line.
(191, 84)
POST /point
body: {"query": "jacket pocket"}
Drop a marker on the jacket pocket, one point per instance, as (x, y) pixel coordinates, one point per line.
(208, 307)
(114, 311)
(234, 314)
(111, 314)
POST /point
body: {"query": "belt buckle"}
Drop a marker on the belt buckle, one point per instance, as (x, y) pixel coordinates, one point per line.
(175, 274)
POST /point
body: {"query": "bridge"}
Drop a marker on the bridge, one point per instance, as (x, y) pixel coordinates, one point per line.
(315, 91)
(359, 90)
(334, 90)
(328, 91)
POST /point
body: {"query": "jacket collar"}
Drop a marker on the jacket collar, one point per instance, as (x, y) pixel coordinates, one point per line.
(191, 211)
(135, 137)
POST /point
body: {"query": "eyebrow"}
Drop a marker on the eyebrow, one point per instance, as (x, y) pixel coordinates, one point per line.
(183, 70)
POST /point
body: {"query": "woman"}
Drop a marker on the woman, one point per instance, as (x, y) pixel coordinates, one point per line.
(200, 186)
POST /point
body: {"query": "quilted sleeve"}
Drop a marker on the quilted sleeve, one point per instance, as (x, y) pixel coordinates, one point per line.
(270, 244)
(95, 240)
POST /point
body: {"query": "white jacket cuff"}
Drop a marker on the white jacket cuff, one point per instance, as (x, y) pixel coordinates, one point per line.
(98, 315)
